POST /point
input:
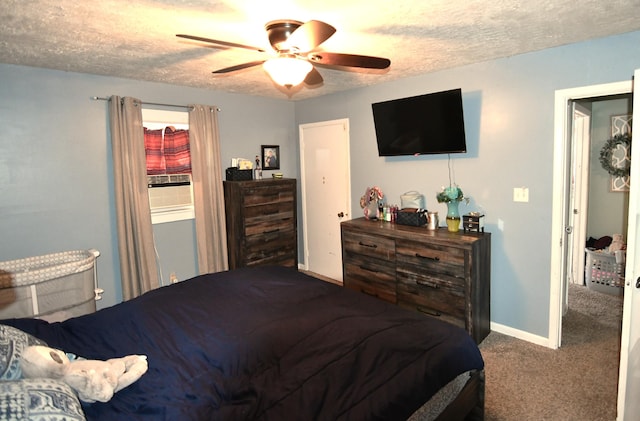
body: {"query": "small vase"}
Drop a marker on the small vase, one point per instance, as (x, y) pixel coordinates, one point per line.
(371, 210)
(453, 216)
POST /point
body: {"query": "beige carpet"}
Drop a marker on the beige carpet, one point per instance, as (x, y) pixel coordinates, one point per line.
(578, 382)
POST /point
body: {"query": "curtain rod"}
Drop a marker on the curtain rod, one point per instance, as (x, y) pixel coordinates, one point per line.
(99, 98)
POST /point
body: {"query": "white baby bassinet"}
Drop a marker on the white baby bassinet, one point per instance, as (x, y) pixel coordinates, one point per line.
(58, 284)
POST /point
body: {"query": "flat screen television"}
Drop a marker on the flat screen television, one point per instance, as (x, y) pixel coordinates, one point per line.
(424, 124)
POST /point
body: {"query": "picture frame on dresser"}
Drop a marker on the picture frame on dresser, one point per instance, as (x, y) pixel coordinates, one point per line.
(270, 157)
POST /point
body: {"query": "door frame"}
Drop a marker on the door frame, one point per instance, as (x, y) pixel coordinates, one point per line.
(305, 201)
(560, 192)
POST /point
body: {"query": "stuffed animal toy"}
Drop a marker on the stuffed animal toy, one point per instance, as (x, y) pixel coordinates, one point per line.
(93, 380)
(616, 243)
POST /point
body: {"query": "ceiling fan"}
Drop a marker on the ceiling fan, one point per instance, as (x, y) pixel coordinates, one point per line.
(295, 43)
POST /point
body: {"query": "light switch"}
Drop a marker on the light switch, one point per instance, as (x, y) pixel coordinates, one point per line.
(520, 194)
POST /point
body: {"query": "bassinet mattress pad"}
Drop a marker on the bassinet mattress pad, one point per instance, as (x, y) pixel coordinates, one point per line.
(266, 344)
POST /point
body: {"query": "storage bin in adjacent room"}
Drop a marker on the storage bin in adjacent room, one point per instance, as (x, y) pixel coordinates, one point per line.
(603, 273)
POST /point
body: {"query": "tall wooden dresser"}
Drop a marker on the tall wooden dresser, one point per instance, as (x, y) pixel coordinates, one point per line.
(261, 222)
(439, 273)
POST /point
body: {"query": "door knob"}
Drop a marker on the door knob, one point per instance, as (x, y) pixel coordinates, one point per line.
(340, 214)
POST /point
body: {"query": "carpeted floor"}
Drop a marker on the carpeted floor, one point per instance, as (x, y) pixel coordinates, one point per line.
(578, 382)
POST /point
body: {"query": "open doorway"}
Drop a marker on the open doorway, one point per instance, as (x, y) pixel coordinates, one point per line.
(598, 204)
(601, 100)
(602, 200)
(563, 213)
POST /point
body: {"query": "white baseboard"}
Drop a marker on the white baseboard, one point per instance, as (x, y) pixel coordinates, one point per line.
(520, 334)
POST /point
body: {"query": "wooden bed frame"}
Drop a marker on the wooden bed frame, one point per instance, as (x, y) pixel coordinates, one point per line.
(469, 404)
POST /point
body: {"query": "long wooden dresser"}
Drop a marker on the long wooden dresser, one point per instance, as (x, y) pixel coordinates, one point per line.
(439, 273)
(261, 222)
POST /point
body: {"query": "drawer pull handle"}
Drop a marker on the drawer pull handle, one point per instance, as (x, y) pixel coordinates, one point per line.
(428, 284)
(366, 268)
(373, 294)
(435, 259)
(373, 246)
(429, 312)
(272, 231)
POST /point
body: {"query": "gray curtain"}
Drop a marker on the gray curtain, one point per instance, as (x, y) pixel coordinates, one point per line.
(138, 268)
(208, 194)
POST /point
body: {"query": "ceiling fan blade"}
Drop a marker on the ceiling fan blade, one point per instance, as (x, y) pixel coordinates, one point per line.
(238, 67)
(309, 35)
(313, 78)
(349, 60)
(221, 43)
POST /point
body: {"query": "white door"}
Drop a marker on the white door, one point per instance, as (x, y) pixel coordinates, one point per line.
(629, 380)
(581, 140)
(576, 210)
(325, 188)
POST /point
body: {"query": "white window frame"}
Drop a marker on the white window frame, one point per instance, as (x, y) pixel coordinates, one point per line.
(157, 119)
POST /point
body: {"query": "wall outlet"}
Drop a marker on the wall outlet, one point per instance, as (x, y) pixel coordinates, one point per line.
(173, 278)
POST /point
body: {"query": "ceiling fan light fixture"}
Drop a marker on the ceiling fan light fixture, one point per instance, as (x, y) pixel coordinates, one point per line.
(295, 47)
(287, 71)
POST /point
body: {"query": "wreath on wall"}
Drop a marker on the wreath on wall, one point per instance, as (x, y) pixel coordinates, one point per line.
(606, 155)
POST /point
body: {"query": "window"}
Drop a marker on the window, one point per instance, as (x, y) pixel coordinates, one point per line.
(168, 175)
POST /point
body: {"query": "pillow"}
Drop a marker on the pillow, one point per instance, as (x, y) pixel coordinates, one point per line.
(12, 342)
(39, 400)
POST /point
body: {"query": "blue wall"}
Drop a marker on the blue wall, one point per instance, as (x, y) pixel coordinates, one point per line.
(55, 157)
(56, 184)
(509, 112)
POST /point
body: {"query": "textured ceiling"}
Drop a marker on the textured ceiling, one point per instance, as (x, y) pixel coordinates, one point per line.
(136, 39)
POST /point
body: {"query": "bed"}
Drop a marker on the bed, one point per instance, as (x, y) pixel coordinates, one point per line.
(271, 343)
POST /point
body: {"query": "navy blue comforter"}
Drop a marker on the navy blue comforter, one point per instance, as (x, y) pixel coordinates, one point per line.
(266, 344)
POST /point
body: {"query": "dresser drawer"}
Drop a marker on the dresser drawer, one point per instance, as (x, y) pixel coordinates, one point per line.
(356, 243)
(375, 279)
(411, 277)
(260, 195)
(279, 257)
(271, 239)
(432, 258)
(269, 211)
(431, 308)
(439, 296)
(382, 291)
(268, 226)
